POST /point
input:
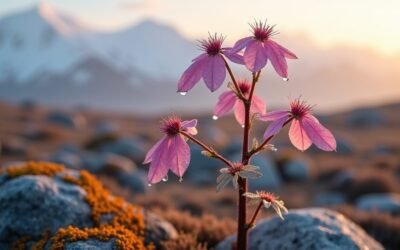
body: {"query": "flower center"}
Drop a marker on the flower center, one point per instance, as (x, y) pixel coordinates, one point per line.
(171, 126)
(244, 86)
(299, 108)
(270, 197)
(262, 31)
(236, 167)
(213, 45)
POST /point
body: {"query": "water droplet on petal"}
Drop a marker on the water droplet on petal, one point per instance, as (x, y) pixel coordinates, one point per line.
(215, 117)
(149, 185)
(165, 178)
(274, 149)
(182, 93)
(180, 180)
(286, 79)
(243, 126)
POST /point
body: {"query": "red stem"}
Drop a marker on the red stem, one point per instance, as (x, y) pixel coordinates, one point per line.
(214, 153)
(242, 182)
(240, 94)
(253, 219)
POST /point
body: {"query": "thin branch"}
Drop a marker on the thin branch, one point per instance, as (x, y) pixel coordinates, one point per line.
(239, 92)
(253, 218)
(214, 153)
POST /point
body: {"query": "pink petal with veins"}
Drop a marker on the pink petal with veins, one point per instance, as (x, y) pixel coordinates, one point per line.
(179, 156)
(214, 72)
(150, 153)
(275, 126)
(258, 106)
(319, 135)
(239, 112)
(298, 136)
(159, 162)
(284, 51)
(277, 59)
(225, 103)
(254, 56)
(274, 115)
(241, 44)
(191, 75)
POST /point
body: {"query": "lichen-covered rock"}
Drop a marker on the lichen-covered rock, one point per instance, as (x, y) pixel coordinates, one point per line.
(387, 203)
(45, 204)
(307, 229)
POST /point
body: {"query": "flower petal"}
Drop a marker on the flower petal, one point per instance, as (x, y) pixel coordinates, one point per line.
(258, 106)
(284, 51)
(277, 59)
(319, 135)
(241, 44)
(251, 195)
(254, 56)
(191, 76)
(274, 115)
(179, 156)
(234, 57)
(159, 164)
(240, 112)
(150, 153)
(214, 72)
(225, 103)
(298, 136)
(275, 127)
(223, 180)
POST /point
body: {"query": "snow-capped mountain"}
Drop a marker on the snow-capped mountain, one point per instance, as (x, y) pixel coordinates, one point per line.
(43, 41)
(50, 56)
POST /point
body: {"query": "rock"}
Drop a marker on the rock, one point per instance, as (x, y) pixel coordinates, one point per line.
(270, 180)
(41, 197)
(35, 133)
(106, 127)
(384, 150)
(92, 162)
(30, 205)
(387, 203)
(67, 120)
(135, 181)
(114, 165)
(342, 180)
(297, 170)
(128, 147)
(329, 199)
(202, 170)
(69, 159)
(307, 229)
(344, 147)
(365, 118)
(14, 146)
(91, 244)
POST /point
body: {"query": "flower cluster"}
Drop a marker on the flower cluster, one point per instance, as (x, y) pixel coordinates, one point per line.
(172, 151)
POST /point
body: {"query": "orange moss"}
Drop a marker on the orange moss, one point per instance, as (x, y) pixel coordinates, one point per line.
(35, 168)
(124, 238)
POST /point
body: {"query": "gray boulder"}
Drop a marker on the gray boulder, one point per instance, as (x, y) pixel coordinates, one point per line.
(66, 119)
(91, 244)
(30, 205)
(297, 170)
(330, 199)
(388, 203)
(307, 229)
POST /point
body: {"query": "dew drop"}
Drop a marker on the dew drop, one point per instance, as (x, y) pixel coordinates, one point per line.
(149, 185)
(286, 79)
(181, 180)
(215, 117)
(183, 93)
(165, 178)
(243, 126)
(274, 149)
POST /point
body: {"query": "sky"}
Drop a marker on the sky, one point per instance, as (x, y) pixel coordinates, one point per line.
(364, 23)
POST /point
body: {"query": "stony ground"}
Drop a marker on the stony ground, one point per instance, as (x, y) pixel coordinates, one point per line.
(361, 179)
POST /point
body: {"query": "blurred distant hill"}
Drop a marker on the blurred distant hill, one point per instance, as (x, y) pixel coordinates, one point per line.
(50, 56)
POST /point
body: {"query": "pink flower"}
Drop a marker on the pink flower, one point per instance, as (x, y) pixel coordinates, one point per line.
(171, 152)
(210, 65)
(260, 47)
(228, 100)
(304, 130)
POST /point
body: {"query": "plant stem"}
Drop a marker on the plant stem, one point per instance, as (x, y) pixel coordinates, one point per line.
(253, 219)
(214, 153)
(242, 182)
(241, 96)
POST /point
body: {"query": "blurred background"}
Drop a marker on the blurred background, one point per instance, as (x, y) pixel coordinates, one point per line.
(85, 84)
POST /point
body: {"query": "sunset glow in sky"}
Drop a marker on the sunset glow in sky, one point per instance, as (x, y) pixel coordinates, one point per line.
(366, 23)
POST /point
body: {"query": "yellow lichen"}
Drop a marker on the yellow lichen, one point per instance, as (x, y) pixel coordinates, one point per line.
(34, 168)
(126, 222)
